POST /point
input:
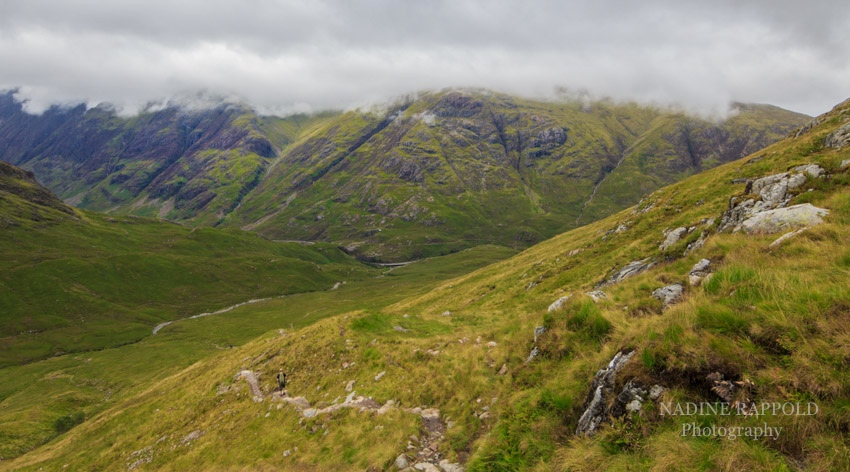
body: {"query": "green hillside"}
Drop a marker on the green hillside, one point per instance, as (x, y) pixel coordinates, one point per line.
(462, 375)
(75, 281)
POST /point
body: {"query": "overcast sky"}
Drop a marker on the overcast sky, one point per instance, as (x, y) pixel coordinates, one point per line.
(283, 55)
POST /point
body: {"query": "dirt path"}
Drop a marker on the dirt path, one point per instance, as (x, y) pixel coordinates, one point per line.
(223, 310)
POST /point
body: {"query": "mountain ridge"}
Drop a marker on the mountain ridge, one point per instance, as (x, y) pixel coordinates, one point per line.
(426, 175)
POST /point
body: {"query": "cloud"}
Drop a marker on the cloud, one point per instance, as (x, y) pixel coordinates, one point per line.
(287, 55)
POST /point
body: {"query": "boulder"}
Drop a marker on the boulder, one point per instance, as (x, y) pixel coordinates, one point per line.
(838, 138)
(558, 304)
(597, 295)
(629, 270)
(701, 267)
(669, 294)
(813, 170)
(699, 271)
(673, 237)
(401, 462)
(783, 219)
(774, 188)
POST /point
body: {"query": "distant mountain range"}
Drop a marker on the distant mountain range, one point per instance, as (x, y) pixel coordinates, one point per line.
(422, 176)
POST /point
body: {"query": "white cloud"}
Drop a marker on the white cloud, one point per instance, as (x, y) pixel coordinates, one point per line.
(290, 55)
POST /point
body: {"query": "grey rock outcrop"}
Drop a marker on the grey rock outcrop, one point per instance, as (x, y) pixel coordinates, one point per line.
(771, 192)
(630, 399)
(699, 271)
(629, 270)
(813, 170)
(557, 304)
(602, 404)
(673, 237)
(539, 331)
(597, 295)
(534, 353)
(595, 406)
(669, 294)
(783, 219)
(838, 138)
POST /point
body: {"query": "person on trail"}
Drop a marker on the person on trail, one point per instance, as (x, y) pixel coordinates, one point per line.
(281, 380)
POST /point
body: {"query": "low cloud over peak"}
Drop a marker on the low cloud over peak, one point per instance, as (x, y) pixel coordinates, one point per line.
(284, 56)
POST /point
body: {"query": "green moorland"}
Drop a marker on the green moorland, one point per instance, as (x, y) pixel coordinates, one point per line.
(41, 400)
(773, 318)
(100, 267)
(78, 281)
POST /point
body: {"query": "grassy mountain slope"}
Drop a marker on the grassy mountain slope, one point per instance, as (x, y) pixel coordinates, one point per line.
(456, 168)
(73, 280)
(173, 163)
(773, 316)
(425, 176)
(41, 400)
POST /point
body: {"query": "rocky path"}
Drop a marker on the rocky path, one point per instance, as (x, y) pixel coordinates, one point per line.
(422, 450)
(253, 384)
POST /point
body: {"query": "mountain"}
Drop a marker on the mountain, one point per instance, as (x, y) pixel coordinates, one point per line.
(202, 162)
(426, 175)
(727, 290)
(73, 280)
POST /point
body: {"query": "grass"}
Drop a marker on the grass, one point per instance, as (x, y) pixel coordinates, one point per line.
(102, 282)
(37, 395)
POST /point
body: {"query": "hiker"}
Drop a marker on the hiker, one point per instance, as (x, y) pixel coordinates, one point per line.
(281, 380)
